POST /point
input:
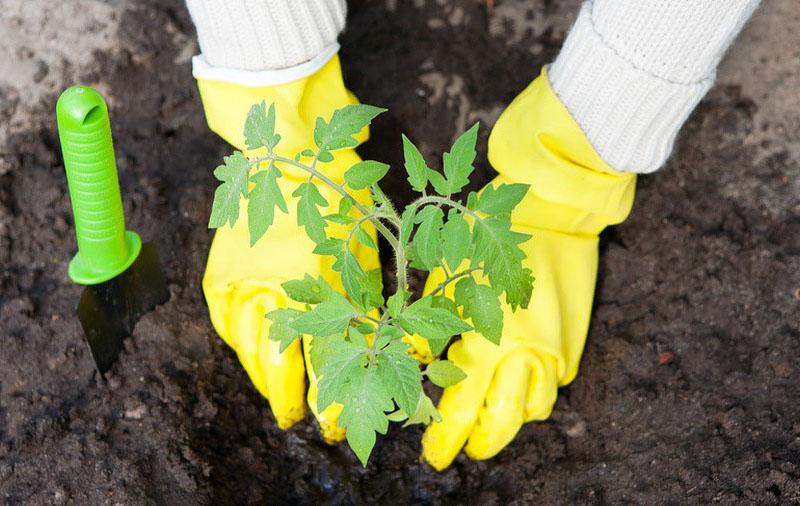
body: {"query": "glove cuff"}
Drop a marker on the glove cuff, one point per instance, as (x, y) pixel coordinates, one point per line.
(263, 35)
(202, 70)
(631, 73)
(536, 141)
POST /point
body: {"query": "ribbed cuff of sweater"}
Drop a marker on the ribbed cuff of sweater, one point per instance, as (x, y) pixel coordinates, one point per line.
(631, 76)
(265, 42)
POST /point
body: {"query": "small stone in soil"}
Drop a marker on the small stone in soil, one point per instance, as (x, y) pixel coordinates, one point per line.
(136, 412)
(665, 357)
(577, 430)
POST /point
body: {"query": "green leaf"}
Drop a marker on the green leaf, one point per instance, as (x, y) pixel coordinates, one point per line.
(281, 328)
(413, 258)
(233, 174)
(482, 305)
(397, 416)
(364, 238)
(328, 317)
(445, 303)
(365, 174)
(330, 246)
(307, 290)
(472, 200)
(373, 289)
(444, 373)
(401, 375)
(428, 239)
(456, 239)
(345, 204)
(519, 293)
(435, 324)
(497, 246)
(365, 328)
(388, 334)
(357, 337)
(339, 218)
(354, 279)
(344, 124)
(407, 224)
(437, 345)
(364, 288)
(501, 199)
(415, 165)
(259, 127)
(325, 156)
(425, 412)
(458, 161)
(308, 215)
(365, 401)
(439, 183)
(395, 303)
(322, 348)
(380, 198)
(339, 361)
(263, 199)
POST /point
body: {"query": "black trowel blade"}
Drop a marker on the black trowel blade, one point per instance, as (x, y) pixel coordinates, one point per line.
(109, 311)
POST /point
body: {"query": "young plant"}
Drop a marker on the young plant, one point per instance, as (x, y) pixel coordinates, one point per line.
(358, 348)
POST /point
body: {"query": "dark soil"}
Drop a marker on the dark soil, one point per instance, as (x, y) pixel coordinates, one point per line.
(689, 390)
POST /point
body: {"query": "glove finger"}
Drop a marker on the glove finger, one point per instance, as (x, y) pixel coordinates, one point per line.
(501, 417)
(329, 418)
(280, 377)
(419, 349)
(458, 406)
(542, 388)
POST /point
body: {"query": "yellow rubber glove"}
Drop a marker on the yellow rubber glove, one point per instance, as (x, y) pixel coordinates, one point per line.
(242, 283)
(573, 196)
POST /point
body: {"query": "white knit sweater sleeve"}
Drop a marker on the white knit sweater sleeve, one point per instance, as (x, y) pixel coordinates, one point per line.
(631, 71)
(265, 42)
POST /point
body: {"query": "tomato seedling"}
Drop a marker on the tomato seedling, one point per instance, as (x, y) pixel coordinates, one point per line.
(358, 339)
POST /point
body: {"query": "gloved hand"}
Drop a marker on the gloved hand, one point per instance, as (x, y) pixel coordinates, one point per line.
(242, 283)
(573, 196)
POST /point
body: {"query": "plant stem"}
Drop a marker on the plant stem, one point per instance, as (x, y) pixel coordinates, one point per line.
(351, 233)
(373, 348)
(367, 317)
(313, 166)
(441, 286)
(394, 242)
(443, 265)
(390, 237)
(402, 274)
(432, 199)
(401, 270)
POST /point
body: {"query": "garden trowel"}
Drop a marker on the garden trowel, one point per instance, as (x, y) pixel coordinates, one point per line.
(123, 277)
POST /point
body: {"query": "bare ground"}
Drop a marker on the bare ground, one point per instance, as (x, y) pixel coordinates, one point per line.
(689, 390)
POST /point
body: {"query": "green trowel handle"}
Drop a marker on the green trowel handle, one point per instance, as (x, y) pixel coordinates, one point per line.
(105, 249)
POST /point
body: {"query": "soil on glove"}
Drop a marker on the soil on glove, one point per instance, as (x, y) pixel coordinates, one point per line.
(689, 389)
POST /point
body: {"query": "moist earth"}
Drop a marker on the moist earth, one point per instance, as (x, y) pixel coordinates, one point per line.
(689, 389)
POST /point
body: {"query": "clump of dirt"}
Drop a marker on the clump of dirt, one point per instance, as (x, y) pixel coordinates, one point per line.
(688, 388)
